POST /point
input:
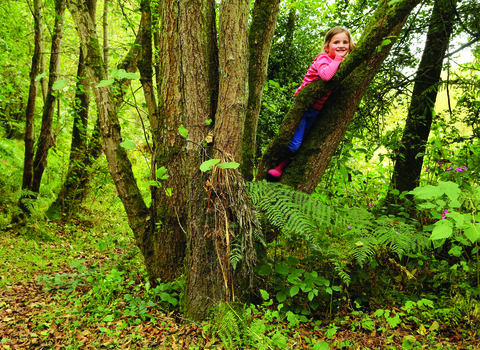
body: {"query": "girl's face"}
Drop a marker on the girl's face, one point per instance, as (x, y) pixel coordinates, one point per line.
(338, 46)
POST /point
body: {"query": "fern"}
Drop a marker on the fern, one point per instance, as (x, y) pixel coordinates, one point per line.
(319, 225)
(292, 211)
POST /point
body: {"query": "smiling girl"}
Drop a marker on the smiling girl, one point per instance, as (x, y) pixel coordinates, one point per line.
(337, 44)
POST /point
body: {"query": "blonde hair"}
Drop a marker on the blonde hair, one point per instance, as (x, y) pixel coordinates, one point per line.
(334, 31)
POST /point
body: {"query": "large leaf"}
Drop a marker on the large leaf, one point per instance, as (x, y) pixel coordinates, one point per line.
(59, 84)
(207, 165)
(128, 144)
(472, 233)
(104, 83)
(443, 229)
(229, 165)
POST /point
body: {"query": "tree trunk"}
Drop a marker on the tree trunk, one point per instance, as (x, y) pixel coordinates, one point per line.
(86, 150)
(348, 85)
(105, 34)
(46, 138)
(409, 161)
(30, 111)
(264, 19)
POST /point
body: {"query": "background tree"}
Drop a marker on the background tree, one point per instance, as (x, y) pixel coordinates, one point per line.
(409, 160)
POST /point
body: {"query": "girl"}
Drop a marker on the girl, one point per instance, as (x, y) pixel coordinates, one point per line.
(335, 47)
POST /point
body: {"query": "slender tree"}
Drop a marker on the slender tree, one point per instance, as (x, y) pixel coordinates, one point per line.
(409, 160)
(264, 19)
(30, 111)
(46, 139)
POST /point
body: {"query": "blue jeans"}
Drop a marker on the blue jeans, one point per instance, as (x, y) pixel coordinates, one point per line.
(303, 127)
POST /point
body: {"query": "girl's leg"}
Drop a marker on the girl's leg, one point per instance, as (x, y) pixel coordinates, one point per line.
(303, 127)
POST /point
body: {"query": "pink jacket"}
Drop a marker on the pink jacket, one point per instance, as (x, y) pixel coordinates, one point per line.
(322, 67)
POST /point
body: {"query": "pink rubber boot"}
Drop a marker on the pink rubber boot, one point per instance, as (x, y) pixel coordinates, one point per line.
(278, 171)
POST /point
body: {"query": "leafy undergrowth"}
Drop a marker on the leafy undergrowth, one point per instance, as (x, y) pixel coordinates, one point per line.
(80, 289)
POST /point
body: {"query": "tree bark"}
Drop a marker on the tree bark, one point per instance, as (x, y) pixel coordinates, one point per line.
(264, 19)
(83, 152)
(30, 111)
(46, 138)
(409, 160)
(348, 85)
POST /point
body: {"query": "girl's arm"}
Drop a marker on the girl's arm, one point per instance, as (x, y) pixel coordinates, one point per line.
(326, 67)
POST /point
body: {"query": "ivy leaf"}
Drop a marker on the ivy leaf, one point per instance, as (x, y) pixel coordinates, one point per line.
(104, 83)
(59, 84)
(207, 165)
(229, 165)
(128, 144)
(183, 132)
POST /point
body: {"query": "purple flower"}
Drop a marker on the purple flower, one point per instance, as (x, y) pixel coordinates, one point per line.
(349, 227)
(426, 169)
(445, 212)
(449, 168)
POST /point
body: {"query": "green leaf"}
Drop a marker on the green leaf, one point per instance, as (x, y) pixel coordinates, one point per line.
(207, 165)
(386, 42)
(321, 345)
(292, 260)
(472, 233)
(122, 74)
(183, 132)
(128, 144)
(442, 230)
(265, 270)
(208, 122)
(281, 296)
(265, 295)
(229, 165)
(59, 84)
(108, 318)
(104, 83)
(282, 268)
(40, 76)
(169, 191)
(294, 290)
(455, 251)
(161, 173)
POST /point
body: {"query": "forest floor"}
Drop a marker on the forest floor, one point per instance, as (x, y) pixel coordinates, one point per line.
(33, 316)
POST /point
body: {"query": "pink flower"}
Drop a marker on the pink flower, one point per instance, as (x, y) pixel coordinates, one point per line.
(426, 169)
(349, 227)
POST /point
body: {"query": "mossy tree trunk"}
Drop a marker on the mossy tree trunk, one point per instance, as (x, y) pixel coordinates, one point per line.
(30, 111)
(348, 85)
(86, 149)
(409, 160)
(260, 35)
(46, 139)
